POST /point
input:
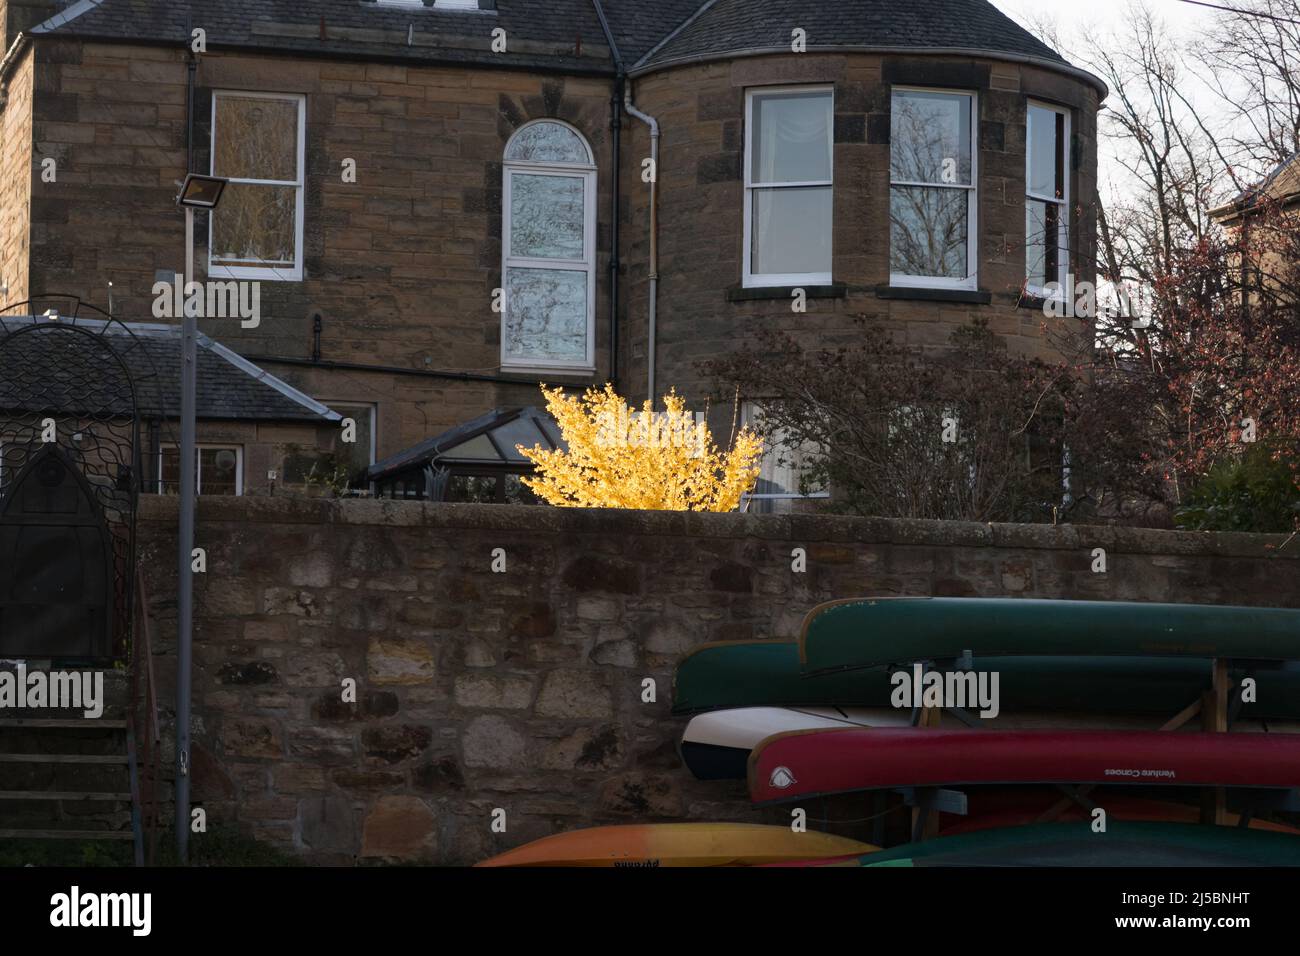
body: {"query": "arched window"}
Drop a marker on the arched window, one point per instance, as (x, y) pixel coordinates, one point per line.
(548, 249)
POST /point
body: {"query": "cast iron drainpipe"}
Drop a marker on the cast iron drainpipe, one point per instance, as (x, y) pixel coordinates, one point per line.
(616, 122)
(654, 235)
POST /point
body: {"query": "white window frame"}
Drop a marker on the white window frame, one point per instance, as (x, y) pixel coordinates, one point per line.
(751, 279)
(198, 464)
(587, 171)
(269, 273)
(971, 281)
(1063, 227)
(748, 413)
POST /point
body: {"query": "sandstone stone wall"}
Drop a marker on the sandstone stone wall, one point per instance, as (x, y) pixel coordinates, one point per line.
(522, 690)
(16, 171)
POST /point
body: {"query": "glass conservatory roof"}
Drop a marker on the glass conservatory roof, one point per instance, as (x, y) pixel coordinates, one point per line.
(490, 439)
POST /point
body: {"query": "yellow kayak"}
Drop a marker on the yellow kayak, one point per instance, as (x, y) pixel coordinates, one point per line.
(680, 844)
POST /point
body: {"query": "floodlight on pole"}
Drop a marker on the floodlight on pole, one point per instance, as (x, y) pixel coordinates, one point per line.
(197, 192)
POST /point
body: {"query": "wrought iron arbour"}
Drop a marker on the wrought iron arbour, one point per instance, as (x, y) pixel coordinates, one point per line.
(72, 390)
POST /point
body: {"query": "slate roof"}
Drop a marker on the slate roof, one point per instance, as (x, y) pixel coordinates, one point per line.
(639, 25)
(540, 33)
(228, 388)
(561, 35)
(727, 27)
(1282, 184)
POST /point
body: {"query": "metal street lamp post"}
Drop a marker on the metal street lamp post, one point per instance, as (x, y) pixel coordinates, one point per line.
(197, 192)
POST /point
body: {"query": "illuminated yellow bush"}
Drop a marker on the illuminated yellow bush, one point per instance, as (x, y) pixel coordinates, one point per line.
(617, 458)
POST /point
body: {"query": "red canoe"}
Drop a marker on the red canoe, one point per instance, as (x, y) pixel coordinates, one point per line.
(807, 763)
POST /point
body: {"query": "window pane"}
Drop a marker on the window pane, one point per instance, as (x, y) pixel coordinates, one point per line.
(354, 456)
(479, 489)
(521, 431)
(784, 466)
(930, 138)
(218, 471)
(546, 315)
(785, 462)
(255, 225)
(255, 138)
(548, 143)
(478, 448)
(547, 216)
(927, 235)
(1042, 243)
(791, 137)
(1043, 166)
(171, 472)
(517, 493)
(791, 231)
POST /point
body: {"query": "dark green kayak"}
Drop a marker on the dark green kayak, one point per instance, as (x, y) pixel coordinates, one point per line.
(767, 674)
(868, 632)
(1123, 844)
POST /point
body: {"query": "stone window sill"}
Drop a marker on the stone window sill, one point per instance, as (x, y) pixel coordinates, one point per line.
(836, 290)
(542, 370)
(1038, 302)
(967, 296)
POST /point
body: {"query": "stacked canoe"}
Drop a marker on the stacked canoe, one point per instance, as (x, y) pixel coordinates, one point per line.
(1090, 694)
(1094, 705)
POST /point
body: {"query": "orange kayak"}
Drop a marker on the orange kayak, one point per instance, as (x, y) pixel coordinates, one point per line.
(680, 844)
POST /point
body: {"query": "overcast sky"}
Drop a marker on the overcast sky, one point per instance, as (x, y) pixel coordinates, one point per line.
(1181, 17)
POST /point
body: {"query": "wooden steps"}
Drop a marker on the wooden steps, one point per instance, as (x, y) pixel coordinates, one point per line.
(46, 723)
(66, 835)
(60, 767)
(70, 795)
(64, 758)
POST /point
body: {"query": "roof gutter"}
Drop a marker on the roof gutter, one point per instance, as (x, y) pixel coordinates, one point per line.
(641, 68)
(651, 331)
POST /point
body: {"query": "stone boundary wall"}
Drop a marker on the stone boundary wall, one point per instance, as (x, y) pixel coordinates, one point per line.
(521, 690)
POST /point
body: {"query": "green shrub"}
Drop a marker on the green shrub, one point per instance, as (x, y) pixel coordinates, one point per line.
(1255, 492)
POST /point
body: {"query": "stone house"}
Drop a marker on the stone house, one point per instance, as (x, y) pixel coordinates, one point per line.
(444, 202)
(1259, 212)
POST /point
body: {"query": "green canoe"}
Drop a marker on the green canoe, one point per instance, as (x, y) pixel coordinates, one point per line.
(1123, 844)
(868, 632)
(767, 674)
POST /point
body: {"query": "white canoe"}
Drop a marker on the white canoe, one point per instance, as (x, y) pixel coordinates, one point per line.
(716, 745)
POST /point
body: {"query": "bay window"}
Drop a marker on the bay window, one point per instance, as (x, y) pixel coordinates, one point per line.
(258, 142)
(549, 250)
(788, 186)
(933, 196)
(1047, 198)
